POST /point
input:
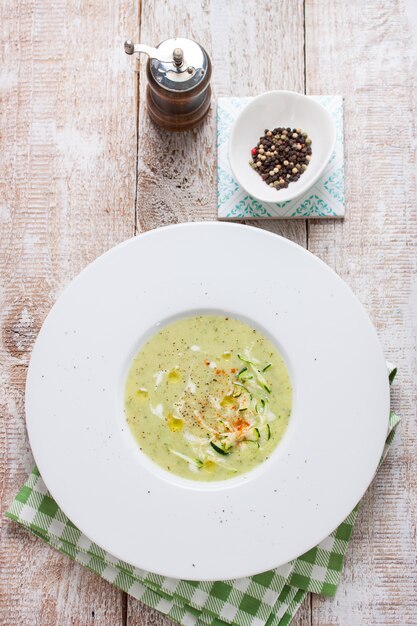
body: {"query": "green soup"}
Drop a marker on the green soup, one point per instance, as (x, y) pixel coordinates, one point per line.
(208, 397)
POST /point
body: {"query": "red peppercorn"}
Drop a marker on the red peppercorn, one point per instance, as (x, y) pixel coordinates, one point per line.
(254, 151)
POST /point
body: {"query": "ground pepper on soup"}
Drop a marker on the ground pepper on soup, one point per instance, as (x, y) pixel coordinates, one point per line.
(208, 397)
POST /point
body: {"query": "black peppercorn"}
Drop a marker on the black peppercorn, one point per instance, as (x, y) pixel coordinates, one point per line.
(281, 156)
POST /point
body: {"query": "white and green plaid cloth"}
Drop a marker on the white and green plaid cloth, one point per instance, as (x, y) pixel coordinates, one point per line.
(271, 598)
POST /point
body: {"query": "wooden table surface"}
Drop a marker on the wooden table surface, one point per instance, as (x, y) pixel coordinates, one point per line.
(82, 168)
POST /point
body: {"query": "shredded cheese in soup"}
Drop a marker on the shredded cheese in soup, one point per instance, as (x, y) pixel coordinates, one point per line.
(208, 397)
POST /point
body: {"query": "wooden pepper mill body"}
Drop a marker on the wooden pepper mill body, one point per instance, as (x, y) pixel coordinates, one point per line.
(178, 110)
(178, 90)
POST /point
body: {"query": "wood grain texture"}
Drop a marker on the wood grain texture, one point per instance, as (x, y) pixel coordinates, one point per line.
(366, 52)
(177, 171)
(68, 138)
(138, 614)
(69, 114)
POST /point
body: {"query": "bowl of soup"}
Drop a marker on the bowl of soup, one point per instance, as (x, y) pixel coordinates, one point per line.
(194, 399)
(208, 397)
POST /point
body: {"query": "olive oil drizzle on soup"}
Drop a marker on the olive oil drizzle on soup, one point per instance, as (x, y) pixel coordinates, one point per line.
(208, 398)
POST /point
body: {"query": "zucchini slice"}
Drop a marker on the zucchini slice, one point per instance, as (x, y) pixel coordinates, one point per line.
(188, 459)
(219, 450)
(253, 435)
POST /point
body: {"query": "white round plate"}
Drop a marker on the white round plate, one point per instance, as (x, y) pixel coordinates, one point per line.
(160, 522)
(280, 108)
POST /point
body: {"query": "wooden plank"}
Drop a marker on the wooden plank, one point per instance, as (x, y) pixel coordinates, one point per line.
(254, 47)
(366, 52)
(68, 140)
(138, 614)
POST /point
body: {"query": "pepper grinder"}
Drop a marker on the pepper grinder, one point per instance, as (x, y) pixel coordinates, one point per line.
(178, 94)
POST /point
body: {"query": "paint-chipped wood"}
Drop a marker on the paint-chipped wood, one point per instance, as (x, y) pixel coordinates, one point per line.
(366, 52)
(177, 171)
(68, 151)
(67, 189)
(138, 614)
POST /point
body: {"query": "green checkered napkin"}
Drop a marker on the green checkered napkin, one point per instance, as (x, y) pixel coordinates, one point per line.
(271, 598)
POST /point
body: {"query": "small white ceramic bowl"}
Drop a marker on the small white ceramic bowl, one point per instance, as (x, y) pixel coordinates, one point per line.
(271, 110)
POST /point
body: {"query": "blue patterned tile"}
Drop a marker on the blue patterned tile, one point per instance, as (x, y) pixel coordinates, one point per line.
(335, 185)
(226, 186)
(249, 207)
(313, 207)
